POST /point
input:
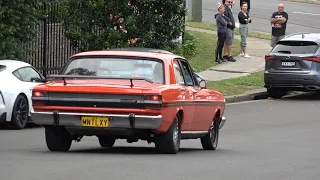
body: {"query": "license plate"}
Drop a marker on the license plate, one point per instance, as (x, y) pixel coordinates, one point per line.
(92, 121)
(289, 64)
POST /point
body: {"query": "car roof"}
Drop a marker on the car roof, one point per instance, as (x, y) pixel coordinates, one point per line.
(315, 37)
(135, 52)
(12, 65)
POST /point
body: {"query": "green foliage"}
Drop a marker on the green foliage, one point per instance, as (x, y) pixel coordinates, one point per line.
(189, 45)
(103, 24)
(17, 20)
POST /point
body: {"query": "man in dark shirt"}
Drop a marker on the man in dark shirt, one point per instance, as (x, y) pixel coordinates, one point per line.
(278, 21)
(230, 35)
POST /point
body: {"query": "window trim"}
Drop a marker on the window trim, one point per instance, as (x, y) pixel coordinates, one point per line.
(190, 71)
(64, 68)
(179, 65)
(17, 70)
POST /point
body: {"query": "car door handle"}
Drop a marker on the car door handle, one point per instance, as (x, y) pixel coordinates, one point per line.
(194, 91)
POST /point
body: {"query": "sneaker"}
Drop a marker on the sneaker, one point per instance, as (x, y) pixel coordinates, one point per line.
(225, 57)
(218, 61)
(222, 59)
(241, 54)
(231, 59)
(246, 56)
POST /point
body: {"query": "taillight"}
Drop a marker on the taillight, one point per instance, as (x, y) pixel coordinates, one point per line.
(267, 57)
(39, 98)
(38, 94)
(153, 97)
(312, 58)
(153, 102)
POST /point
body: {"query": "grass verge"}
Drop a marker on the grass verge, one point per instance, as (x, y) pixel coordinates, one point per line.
(238, 85)
(213, 27)
(205, 50)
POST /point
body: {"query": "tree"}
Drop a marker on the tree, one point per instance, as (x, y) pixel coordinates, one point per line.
(102, 24)
(17, 22)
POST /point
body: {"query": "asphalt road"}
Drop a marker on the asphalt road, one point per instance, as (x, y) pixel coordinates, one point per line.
(302, 17)
(261, 140)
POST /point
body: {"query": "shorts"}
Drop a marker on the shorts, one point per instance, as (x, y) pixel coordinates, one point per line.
(229, 37)
(275, 39)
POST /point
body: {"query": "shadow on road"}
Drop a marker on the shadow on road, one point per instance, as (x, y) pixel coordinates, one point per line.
(128, 150)
(6, 126)
(309, 96)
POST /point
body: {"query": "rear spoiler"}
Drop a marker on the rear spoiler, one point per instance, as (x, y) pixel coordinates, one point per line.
(64, 77)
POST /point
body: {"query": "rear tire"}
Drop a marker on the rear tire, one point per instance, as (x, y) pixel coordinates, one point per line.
(169, 142)
(20, 113)
(58, 139)
(210, 141)
(276, 93)
(106, 141)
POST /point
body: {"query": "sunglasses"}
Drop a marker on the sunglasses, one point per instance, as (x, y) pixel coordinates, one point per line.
(229, 2)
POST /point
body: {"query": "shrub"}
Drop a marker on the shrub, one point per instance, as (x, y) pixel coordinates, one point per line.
(103, 24)
(189, 45)
(17, 20)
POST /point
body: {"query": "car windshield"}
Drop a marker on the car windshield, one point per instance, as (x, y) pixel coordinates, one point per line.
(117, 67)
(296, 47)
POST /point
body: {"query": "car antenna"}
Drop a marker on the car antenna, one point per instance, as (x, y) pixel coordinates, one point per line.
(131, 84)
(64, 81)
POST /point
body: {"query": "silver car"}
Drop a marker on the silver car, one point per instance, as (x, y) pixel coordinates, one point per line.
(293, 65)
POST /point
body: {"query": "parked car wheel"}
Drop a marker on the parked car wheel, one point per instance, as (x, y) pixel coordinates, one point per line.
(276, 93)
(106, 141)
(58, 139)
(20, 113)
(169, 142)
(210, 141)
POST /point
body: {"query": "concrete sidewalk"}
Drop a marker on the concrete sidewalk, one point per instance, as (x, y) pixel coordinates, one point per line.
(257, 49)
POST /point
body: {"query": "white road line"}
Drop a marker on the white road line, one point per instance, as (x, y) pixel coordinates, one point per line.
(312, 14)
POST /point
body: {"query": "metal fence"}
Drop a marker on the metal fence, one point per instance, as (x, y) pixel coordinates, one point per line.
(50, 49)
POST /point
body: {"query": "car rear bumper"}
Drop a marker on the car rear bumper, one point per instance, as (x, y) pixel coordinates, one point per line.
(292, 81)
(116, 120)
(3, 117)
(3, 114)
(223, 121)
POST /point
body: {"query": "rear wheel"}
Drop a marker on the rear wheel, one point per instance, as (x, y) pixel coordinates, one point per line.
(169, 142)
(276, 93)
(58, 139)
(210, 141)
(106, 141)
(20, 113)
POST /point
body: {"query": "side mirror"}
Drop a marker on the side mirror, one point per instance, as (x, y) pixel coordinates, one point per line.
(203, 84)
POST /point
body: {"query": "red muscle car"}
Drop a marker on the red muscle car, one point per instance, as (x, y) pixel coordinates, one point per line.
(128, 94)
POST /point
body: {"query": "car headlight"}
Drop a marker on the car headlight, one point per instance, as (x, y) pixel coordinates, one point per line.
(1, 98)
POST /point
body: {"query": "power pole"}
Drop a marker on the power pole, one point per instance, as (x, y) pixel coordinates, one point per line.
(197, 10)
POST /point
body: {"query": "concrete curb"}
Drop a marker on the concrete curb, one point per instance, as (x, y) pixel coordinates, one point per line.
(306, 1)
(257, 95)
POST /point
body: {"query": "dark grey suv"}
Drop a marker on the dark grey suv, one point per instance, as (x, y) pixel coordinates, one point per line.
(293, 65)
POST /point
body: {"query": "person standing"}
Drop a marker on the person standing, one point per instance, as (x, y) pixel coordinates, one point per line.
(222, 22)
(248, 3)
(244, 20)
(278, 21)
(230, 34)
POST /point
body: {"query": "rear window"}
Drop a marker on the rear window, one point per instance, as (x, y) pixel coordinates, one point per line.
(117, 67)
(2, 67)
(296, 47)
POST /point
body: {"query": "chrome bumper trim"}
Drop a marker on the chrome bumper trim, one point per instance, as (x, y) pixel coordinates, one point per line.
(223, 121)
(117, 121)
